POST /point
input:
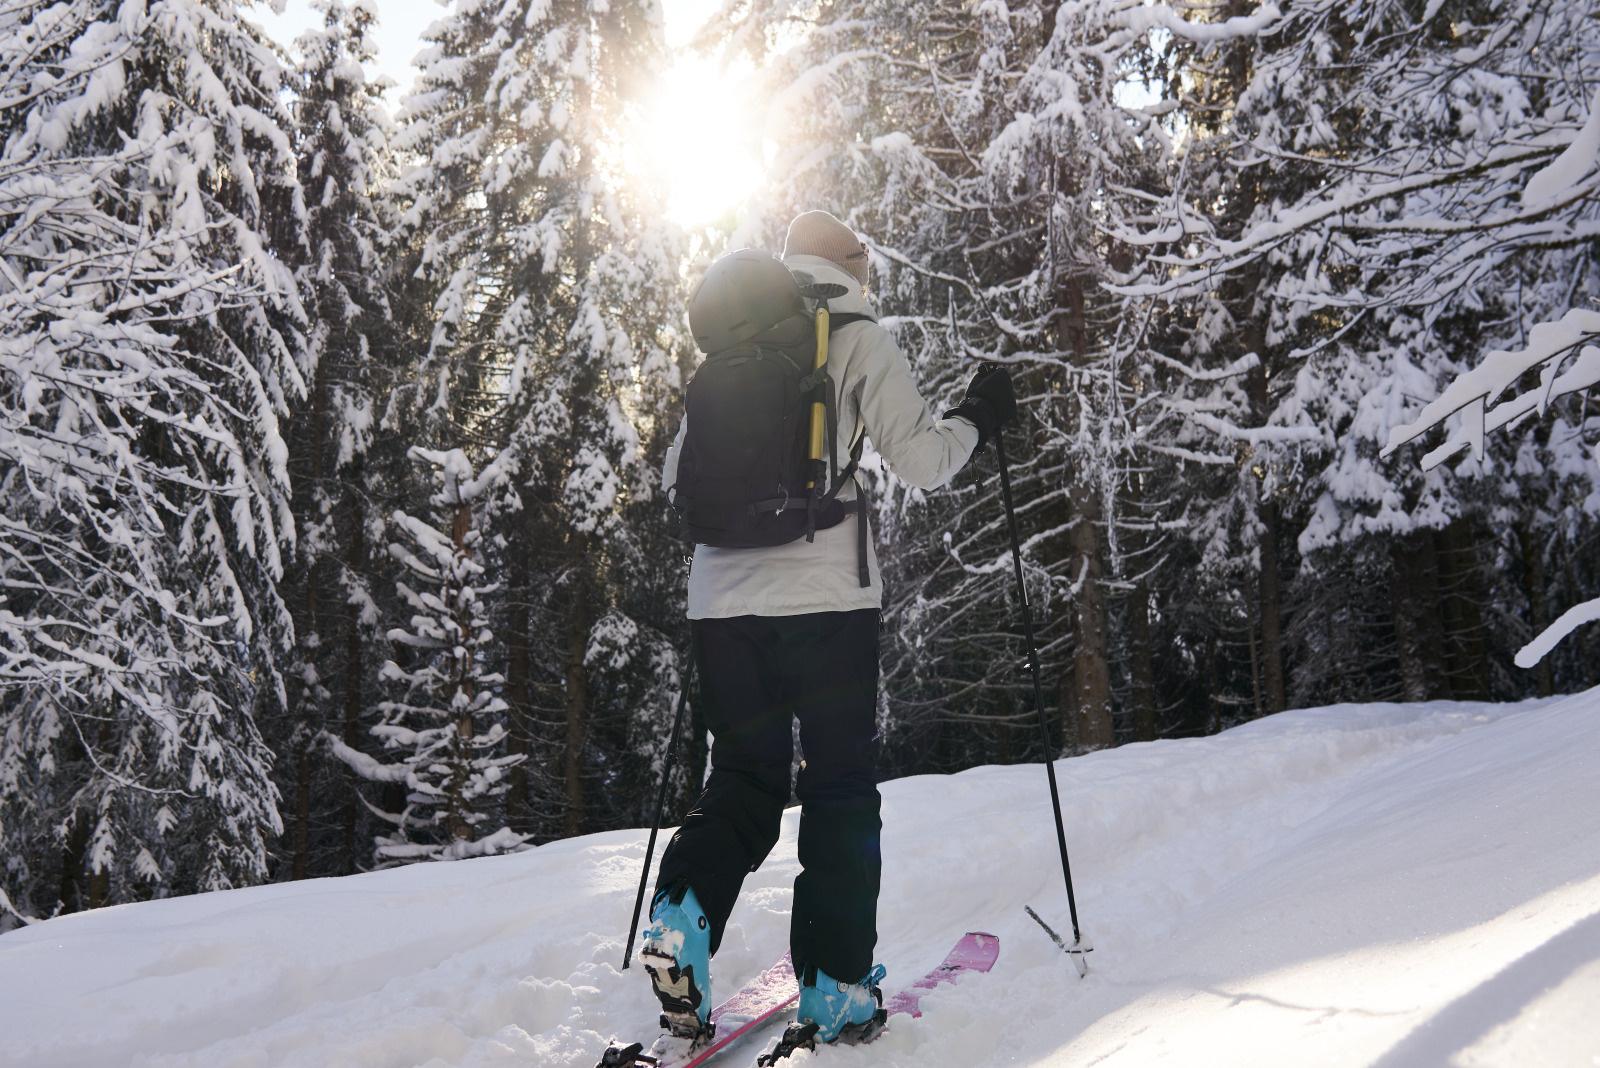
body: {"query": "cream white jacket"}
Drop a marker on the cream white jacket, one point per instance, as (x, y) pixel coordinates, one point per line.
(872, 380)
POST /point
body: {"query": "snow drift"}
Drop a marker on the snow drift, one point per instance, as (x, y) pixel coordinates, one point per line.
(1360, 885)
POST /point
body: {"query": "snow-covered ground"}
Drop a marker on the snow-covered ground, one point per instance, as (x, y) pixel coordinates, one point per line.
(1361, 885)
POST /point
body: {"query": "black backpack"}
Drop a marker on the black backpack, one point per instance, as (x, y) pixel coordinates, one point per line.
(745, 479)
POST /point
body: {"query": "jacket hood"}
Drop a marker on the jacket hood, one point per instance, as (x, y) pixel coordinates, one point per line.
(819, 269)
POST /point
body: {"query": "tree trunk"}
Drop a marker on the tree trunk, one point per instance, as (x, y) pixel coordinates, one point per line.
(300, 866)
(1213, 684)
(72, 894)
(458, 821)
(307, 706)
(1430, 616)
(355, 673)
(1091, 675)
(1251, 628)
(1271, 588)
(99, 889)
(1412, 607)
(1533, 581)
(577, 704)
(1465, 641)
(1141, 665)
(519, 682)
(307, 729)
(1067, 702)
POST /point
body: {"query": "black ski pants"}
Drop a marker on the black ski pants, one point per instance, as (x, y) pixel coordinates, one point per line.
(758, 674)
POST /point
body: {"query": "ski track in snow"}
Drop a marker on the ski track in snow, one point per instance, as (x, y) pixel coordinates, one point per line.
(1383, 885)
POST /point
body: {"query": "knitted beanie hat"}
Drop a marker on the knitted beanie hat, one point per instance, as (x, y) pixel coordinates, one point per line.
(816, 233)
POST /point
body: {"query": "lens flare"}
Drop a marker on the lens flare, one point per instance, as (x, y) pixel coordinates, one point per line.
(694, 140)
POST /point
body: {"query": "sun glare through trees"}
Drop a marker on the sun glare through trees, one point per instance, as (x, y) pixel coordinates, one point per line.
(695, 138)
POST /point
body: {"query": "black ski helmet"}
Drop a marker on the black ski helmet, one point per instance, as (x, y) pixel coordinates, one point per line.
(745, 293)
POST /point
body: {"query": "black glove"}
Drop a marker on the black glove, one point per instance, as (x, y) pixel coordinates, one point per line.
(990, 403)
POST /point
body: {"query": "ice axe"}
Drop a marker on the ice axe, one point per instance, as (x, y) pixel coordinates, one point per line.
(817, 482)
(821, 292)
(1080, 947)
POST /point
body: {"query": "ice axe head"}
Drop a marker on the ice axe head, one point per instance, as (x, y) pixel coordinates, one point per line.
(823, 291)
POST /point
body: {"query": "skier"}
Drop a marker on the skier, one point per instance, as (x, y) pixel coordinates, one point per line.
(789, 630)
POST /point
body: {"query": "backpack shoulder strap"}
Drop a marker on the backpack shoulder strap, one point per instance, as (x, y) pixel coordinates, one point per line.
(836, 322)
(839, 320)
(859, 505)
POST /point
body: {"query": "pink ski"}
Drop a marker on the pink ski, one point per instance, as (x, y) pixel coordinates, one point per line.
(757, 1002)
(775, 990)
(976, 952)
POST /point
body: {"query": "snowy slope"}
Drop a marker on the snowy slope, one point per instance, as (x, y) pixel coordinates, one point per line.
(1362, 885)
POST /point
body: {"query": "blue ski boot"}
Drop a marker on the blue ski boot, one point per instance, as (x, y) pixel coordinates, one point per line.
(841, 1009)
(677, 954)
(833, 1011)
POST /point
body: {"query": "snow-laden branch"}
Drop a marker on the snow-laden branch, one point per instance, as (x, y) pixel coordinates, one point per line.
(1147, 17)
(1581, 158)
(1471, 393)
(1254, 435)
(1573, 618)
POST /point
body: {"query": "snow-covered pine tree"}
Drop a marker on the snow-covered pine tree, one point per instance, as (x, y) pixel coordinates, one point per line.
(1384, 145)
(444, 729)
(150, 349)
(1229, 343)
(333, 585)
(1367, 521)
(556, 302)
(1074, 158)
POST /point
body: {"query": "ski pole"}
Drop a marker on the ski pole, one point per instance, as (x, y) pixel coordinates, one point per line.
(1078, 947)
(655, 823)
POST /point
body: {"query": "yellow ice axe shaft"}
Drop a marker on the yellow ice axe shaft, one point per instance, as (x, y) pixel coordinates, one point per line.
(818, 409)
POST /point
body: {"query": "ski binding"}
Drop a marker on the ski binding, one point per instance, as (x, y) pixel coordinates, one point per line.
(632, 1056)
(804, 1036)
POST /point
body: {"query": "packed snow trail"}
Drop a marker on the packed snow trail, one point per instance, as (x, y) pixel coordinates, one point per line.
(1362, 885)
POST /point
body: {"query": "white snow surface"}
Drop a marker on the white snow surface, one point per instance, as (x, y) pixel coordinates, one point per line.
(1361, 885)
